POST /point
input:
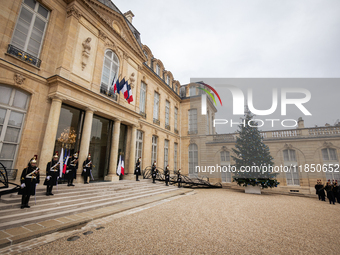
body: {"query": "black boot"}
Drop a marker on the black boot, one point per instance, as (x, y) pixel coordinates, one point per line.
(27, 200)
(23, 199)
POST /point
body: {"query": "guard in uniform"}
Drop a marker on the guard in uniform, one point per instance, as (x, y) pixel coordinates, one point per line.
(321, 191)
(52, 174)
(317, 188)
(179, 178)
(87, 168)
(336, 191)
(154, 172)
(29, 179)
(71, 172)
(167, 175)
(330, 194)
(137, 169)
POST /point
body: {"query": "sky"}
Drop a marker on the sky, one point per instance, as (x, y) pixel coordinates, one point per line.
(243, 38)
(247, 39)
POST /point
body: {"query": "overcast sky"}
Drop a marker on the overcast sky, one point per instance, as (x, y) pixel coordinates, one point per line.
(243, 38)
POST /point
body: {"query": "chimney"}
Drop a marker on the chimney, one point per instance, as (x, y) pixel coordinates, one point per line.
(129, 15)
(301, 123)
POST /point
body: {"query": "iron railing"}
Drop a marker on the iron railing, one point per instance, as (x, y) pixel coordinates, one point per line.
(26, 57)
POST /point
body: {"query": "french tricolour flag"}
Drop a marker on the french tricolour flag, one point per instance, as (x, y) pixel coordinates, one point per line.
(120, 167)
(130, 97)
(125, 90)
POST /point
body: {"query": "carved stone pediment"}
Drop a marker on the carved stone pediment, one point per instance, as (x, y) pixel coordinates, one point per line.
(327, 144)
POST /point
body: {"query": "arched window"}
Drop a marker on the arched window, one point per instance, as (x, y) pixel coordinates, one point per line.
(292, 176)
(13, 108)
(193, 159)
(110, 70)
(330, 157)
(225, 162)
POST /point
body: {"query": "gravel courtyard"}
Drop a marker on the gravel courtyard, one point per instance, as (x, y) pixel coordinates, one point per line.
(216, 221)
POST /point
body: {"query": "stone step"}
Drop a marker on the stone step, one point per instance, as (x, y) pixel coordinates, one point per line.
(58, 200)
(85, 189)
(27, 216)
(72, 192)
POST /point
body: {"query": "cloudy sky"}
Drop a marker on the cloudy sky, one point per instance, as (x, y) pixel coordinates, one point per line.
(243, 38)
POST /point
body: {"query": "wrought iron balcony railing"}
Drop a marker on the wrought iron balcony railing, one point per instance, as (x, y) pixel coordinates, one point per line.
(103, 90)
(143, 114)
(156, 121)
(176, 131)
(167, 127)
(28, 58)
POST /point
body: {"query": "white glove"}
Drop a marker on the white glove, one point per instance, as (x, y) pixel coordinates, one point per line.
(23, 185)
(84, 170)
(48, 178)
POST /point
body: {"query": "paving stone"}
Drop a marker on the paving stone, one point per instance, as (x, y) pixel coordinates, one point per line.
(16, 231)
(33, 227)
(49, 223)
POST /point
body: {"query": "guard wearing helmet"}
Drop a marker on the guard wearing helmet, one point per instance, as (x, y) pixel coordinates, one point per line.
(52, 174)
(87, 168)
(71, 172)
(167, 175)
(137, 169)
(29, 179)
(154, 172)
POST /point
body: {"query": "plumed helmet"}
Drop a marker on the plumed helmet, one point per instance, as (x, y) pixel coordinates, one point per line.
(56, 155)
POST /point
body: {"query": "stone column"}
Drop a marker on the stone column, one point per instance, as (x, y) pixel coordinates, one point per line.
(46, 153)
(112, 176)
(85, 142)
(132, 149)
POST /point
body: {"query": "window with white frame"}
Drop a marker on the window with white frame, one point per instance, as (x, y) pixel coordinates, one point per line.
(193, 121)
(142, 99)
(13, 108)
(154, 149)
(192, 91)
(139, 145)
(329, 154)
(193, 159)
(175, 117)
(175, 155)
(30, 27)
(110, 69)
(225, 162)
(166, 153)
(158, 70)
(330, 157)
(168, 80)
(292, 175)
(176, 89)
(167, 112)
(156, 106)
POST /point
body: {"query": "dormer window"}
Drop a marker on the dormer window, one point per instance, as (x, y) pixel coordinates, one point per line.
(168, 80)
(158, 70)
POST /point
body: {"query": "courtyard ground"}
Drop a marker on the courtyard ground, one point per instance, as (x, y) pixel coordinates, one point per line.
(214, 221)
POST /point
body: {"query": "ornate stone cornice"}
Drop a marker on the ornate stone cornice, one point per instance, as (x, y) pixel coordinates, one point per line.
(102, 35)
(73, 11)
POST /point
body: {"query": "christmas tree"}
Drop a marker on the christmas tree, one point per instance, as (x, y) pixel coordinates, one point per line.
(253, 161)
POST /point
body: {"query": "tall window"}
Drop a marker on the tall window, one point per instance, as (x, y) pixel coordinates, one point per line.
(110, 69)
(176, 89)
(166, 153)
(139, 145)
(329, 154)
(175, 155)
(193, 159)
(330, 157)
(158, 70)
(225, 162)
(142, 97)
(30, 28)
(176, 115)
(292, 176)
(193, 121)
(192, 91)
(168, 80)
(13, 108)
(154, 149)
(156, 107)
(167, 112)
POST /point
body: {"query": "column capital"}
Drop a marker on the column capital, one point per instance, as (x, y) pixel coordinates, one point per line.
(90, 109)
(57, 98)
(117, 119)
